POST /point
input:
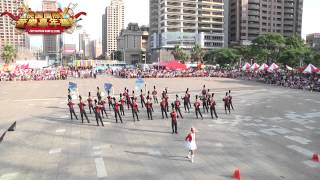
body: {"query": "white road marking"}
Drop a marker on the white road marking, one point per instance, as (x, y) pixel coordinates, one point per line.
(299, 139)
(63, 117)
(298, 129)
(75, 132)
(100, 147)
(60, 130)
(100, 167)
(249, 133)
(9, 176)
(301, 150)
(268, 132)
(220, 145)
(97, 153)
(210, 125)
(281, 130)
(312, 164)
(55, 151)
(309, 127)
(155, 153)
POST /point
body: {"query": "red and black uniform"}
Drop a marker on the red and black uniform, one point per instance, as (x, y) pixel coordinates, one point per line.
(135, 110)
(226, 103)
(213, 108)
(83, 111)
(98, 114)
(122, 103)
(189, 101)
(149, 109)
(155, 98)
(90, 104)
(174, 127)
(177, 107)
(197, 108)
(109, 101)
(230, 101)
(143, 103)
(71, 109)
(163, 108)
(116, 108)
(126, 95)
(186, 102)
(103, 108)
(166, 97)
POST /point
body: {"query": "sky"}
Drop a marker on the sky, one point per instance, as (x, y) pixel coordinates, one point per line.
(138, 11)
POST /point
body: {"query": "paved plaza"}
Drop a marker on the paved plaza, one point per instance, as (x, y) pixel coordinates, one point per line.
(271, 135)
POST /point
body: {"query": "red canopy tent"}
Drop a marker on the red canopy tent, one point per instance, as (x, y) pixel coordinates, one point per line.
(173, 65)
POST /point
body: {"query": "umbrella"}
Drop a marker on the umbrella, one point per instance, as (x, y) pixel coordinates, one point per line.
(310, 69)
(273, 67)
(264, 67)
(254, 67)
(246, 67)
(289, 68)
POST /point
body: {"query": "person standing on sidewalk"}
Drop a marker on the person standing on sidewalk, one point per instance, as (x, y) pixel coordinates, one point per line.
(173, 115)
(191, 144)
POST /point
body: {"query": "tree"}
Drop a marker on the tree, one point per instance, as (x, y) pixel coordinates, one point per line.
(116, 55)
(222, 56)
(268, 46)
(179, 54)
(197, 54)
(8, 54)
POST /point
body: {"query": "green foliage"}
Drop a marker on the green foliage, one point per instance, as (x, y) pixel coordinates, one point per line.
(8, 54)
(179, 54)
(222, 56)
(197, 54)
(117, 55)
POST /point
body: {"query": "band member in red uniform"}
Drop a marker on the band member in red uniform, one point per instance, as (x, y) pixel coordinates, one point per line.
(154, 94)
(166, 97)
(163, 108)
(98, 93)
(213, 107)
(186, 102)
(174, 126)
(122, 102)
(143, 103)
(177, 106)
(116, 107)
(133, 97)
(103, 107)
(97, 113)
(189, 100)
(71, 109)
(109, 100)
(230, 100)
(128, 101)
(226, 103)
(82, 110)
(197, 107)
(149, 109)
(135, 110)
(90, 104)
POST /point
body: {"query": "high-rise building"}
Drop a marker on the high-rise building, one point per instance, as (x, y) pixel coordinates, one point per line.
(249, 18)
(51, 43)
(8, 33)
(112, 24)
(84, 45)
(133, 43)
(97, 48)
(313, 40)
(187, 23)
